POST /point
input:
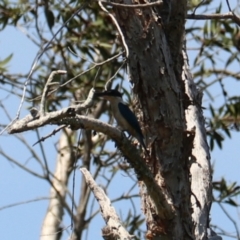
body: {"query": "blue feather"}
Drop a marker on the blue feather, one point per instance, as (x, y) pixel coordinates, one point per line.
(131, 118)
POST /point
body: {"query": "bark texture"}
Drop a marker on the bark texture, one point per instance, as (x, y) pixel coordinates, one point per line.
(51, 228)
(154, 37)
(200, 169)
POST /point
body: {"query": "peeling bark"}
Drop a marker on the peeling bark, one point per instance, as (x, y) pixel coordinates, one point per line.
(154, 37)
(200, 169)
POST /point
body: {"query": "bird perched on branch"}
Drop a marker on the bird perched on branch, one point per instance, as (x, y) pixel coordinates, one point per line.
(125, 118)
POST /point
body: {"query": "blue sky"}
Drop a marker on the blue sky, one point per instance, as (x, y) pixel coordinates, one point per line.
(24, 221)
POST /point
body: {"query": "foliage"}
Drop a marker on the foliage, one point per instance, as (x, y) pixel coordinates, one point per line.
(91, 38)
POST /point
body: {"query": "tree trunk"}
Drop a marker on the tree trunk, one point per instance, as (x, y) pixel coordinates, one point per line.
(51, 228)
(172, 118)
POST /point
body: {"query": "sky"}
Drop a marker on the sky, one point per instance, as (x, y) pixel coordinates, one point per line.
(24, 221)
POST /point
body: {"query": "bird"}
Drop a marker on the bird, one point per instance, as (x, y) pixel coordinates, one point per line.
(126, 119)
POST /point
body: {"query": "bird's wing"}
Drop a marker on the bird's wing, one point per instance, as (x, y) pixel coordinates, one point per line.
(131, 118)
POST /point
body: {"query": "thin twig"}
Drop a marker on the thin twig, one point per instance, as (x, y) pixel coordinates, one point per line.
(117, 26)
(24, 202)
(215, 16)
(87, 102)
(42, 139)
(229, 8)
(198, 6)
(146, 5)
(231, 219)
(37, 58)
(229, 15)
(82, 73)
(45, 90)
(20, 165)
(107, 85)
(46, 168)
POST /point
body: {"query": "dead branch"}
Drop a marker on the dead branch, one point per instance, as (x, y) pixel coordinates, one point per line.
(114, 226)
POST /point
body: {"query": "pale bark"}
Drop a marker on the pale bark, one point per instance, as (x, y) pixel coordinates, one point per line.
(51, 228)
(199, 162)
(179, 158)
(175, 179)
(114, 228)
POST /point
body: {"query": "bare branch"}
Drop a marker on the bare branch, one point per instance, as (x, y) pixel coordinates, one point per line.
(114, 226)
(82, 73)
(45, 90)
(231, 219)
(160, 196)
(23, 202)
(20, 165)
(34, 119)
(41, 52)
(147, 5)
(109, 81)
(42, 139)
(117, 26)
(229, 15)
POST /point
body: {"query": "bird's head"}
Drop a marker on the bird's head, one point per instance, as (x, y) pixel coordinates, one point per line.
(109, 94)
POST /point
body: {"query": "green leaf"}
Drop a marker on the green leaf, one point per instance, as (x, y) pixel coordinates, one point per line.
(6, 60)
(50, 17)
(231, 202)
